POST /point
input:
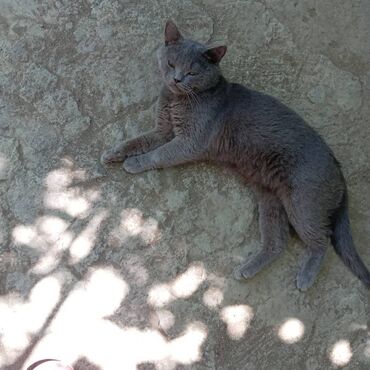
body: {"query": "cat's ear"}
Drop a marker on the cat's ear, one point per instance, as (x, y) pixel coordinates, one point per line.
(171, 33)
(214, 55)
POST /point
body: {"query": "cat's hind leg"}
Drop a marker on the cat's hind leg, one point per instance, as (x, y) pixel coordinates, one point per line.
(310, 221)
(310, 266)
(274, 230)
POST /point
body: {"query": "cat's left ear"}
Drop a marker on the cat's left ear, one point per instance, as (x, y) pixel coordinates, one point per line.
(171, 33)
(214, 55)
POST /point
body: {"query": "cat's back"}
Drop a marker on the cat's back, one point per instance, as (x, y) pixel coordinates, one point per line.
(265, 119)
(262, 109)
(257, 128)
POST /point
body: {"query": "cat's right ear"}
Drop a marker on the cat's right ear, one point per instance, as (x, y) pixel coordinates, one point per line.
(214, 55)
(171, 33)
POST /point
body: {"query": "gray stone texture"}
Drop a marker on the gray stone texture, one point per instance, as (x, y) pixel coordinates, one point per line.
(113, 271)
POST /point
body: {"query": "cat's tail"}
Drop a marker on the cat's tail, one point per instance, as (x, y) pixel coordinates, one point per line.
(343, 243)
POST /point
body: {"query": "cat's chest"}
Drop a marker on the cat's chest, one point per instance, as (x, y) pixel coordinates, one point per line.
(180, 115)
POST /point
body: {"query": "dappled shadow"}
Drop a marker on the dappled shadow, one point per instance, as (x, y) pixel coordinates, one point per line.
(96, 296)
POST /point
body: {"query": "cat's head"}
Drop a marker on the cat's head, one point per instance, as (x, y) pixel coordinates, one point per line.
(187, 66)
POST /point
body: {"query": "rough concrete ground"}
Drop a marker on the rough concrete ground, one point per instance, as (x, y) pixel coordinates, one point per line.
(111, 271)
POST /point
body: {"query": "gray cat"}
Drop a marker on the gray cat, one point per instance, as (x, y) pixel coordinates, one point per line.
(298, 181)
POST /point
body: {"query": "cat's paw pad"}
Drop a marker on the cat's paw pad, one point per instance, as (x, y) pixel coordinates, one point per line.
(132, 165)
(111, 156)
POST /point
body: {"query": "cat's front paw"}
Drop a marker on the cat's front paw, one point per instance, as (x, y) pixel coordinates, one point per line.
(237, 273)
(112, 156)
(242, 273)
(246, 270)
(133, 165)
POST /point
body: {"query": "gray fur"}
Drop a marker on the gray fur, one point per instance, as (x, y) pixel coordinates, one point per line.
(202, 117)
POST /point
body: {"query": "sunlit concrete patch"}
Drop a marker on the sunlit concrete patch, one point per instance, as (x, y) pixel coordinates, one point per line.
(45, 232)
(291, 331)
(51, 227)
(160, 295)
(50, 257)
(65, 175)
(23, 234)
(19, 319)
(82, 328)
(341, 353)
(183, 286)
(80, 324)
(133, 223)
(49, 235)
(162, 319)
(100, 294)
(59, 179)
(213, 297)
(60, 194)
(69, 201)
(84, 242)
(237, 319)
(128, 347)
(188, 282)
(166, 364)
(186, 348)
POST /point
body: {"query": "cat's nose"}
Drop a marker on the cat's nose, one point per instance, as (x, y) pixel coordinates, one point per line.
(176, 80)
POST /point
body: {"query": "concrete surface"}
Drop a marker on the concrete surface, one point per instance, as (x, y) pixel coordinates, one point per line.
(110, 271)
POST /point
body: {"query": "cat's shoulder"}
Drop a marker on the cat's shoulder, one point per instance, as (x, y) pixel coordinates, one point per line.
(234, 88)
(256, 98)
(237, 89)
(237, 94)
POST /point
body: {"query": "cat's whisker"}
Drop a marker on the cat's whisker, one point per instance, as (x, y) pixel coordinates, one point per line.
(188, 96)
(193, 100)
(195, 96)
(192, 96)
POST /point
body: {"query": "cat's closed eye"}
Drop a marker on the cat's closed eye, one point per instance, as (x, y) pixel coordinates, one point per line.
(171, 65)
(192, 73)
